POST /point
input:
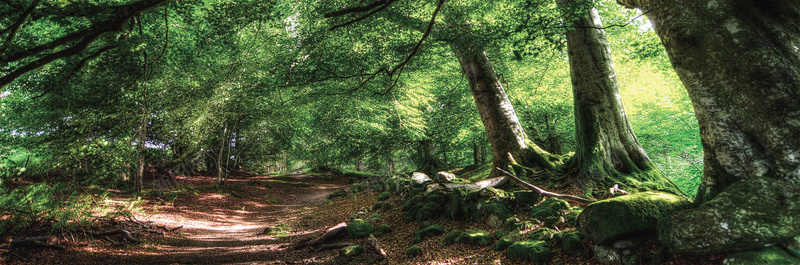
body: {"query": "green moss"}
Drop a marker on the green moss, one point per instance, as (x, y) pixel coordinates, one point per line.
(384, 229)
(351, 251)
(337, 194)
(378, 205)
(383, 195)
(534, 251)
(527, 225)
(433, 230)
(450, 238)
(543, 233)
(527, 197)
(479, 173)
(549, 207)
(571, 240)
(495, 214)
(475, 236)
(358, 228)
(572, 217)
(510, 238)
(770, 255)
(413, 251)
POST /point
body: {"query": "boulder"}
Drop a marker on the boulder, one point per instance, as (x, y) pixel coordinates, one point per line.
(443, 177)
(549, 207)
(494, 214)
(359, 229)
(527, 198)
(419, 177)
(508, 239)
(571, 240)
(534, 251)
(748, 215)
(475, 236)
(770, 255)
(607, 255)
(629, 216)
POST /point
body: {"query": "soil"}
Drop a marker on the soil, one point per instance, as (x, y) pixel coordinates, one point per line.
(225, 224)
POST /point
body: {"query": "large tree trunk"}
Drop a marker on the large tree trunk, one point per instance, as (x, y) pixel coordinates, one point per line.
(739, 61)
(427, 160)
(503, 129)
(608, 152)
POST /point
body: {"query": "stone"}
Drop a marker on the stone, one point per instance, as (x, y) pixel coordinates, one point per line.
(607, 255)
(443, 177)
(351, 251)
(747, 215)
(378, 205)
(419, 177)
(527, 198)
(508, 239)
(770, 255)
(549, 207)
(337, 194)
(450, 238)
(629, 216)
(475, 236)
(495, 214)
(433, 230)
(571, 218)
(534, 251)
(413, 251)
(384, 195)
(571, 240)
(542, 234)
(358, 228)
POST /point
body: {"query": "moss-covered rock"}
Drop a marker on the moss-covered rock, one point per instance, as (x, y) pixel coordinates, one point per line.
(770, 255)
(337, 194)
(542, 234)
(351, 251)
(549, 207)
(433, 230)
(358, 228)
(571, 240)
(450, 238)
(424, 207)
(553, 221)
(534, 251)
(413, 251)
(508, 239)
(475, 236)
(495, 214)
(527, 198)
(571, 218)
(635, 215)
(527, 224)
(383, 195)
(747, 215)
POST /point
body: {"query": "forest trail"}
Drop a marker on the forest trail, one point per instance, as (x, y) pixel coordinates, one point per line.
(224, 224)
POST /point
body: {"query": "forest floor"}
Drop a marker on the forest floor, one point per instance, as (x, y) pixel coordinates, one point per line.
(225, 225)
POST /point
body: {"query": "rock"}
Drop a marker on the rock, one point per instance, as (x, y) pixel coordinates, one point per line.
(553, 221)
(549, 207)
(419, 177)
(495, 214)
(747, 215)
(450, 238)
(607, 255)
(359, 229)
(508, 239)
(337, 194)
(571, 240)
(631, 259)
(475, 236)
(543, 233)
(413, 251)
(384, 228)
(534, 251)
(433, 230)
(378, 205)
(629, 243)
(527, 198)
(629, 216)
(383, 195)
(424, 224)
(528, 224)
(571, 218)
(351, 251)
(770, 255)
(443, 177)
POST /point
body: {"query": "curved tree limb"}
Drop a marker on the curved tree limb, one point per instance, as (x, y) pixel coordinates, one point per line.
(542, 191)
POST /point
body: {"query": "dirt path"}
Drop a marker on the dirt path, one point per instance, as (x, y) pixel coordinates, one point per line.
(224, 225)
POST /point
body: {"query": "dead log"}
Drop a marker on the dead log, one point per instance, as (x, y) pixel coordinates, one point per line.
(542, 191)
(37, 241)
(492, 182)
(372, 244)
(331, 233)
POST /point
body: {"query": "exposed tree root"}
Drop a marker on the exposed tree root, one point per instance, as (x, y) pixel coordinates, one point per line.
(35, 242)
(372, 244)
(492, 182)
(331, 233)
(542, 191)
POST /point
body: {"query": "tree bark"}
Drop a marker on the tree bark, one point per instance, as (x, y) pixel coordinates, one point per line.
(739, 61)
(503, 128)
(607, 149)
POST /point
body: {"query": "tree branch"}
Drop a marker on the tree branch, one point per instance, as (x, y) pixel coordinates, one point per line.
(15, 27)
(542, 191)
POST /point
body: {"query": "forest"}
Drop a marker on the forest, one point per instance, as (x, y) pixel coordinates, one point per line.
(399, 132)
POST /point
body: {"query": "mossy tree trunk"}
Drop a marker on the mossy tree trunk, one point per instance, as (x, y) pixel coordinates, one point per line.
(739, 61)
(503, 128)
(607, 151)
(427, 159)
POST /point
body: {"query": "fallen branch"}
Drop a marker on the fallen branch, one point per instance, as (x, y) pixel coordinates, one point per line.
(38, 241)
(492, 182)
(372, 244)
(542, 191)
(331, 233)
